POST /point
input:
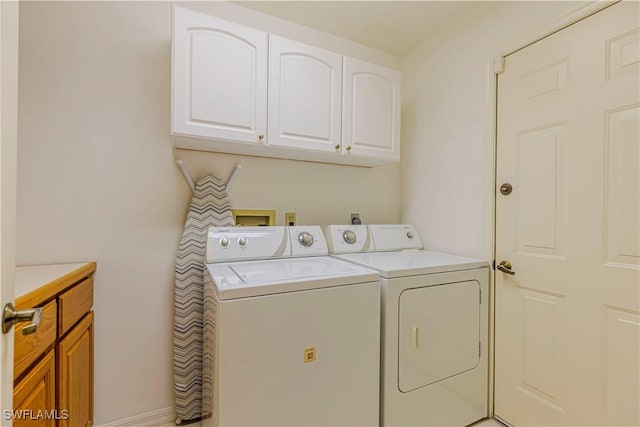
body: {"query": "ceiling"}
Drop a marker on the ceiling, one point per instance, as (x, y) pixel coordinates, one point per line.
(396, 27)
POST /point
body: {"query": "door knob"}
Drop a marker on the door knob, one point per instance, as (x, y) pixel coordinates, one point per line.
(506, 188)
(11, 316)
(505, 267)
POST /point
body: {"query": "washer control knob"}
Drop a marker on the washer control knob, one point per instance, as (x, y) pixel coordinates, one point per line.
(242, 241)
(305, 238)
(410, 235)
(349, 237)
(224, 242)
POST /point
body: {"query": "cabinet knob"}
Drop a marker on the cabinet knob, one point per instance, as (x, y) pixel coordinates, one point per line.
(261, 137)
(337, 147)
(349, 148)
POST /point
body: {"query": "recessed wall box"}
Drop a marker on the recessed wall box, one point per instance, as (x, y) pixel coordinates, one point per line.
(254, 217)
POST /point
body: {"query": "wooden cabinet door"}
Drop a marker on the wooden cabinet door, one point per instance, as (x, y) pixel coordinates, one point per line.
(371, 110)
(34, 397)
(305, 87)
(219, 80)
(75, 374)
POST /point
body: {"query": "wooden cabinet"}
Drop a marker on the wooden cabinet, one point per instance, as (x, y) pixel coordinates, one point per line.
(321, 107)
(371, 118)
(35, 394)
(53, 367)
(75, 374)
(305, 105)
(219, 79)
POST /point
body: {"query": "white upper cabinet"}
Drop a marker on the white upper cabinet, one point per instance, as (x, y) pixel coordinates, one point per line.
(305, 96)
(371, 110)
(243, 91)
(219, 78)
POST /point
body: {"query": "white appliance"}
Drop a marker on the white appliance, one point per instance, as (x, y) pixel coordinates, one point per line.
(434, 333)
(291, 335)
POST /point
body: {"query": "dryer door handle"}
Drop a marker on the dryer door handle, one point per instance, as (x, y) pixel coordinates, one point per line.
(415, 331)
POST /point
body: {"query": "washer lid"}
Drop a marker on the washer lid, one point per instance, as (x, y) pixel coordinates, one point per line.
(413, 262)
(255, 278)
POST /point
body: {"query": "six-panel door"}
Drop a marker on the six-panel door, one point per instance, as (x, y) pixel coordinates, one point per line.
(568, 321)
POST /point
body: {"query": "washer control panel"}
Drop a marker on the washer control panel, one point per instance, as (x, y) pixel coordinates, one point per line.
(246, 243)
(238, 243)
(307, 240)
(343, 239)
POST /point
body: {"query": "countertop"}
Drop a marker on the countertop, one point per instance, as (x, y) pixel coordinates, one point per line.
(37, 283)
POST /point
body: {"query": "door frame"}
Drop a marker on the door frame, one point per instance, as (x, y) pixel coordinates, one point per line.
(494, 67)
(8, 177)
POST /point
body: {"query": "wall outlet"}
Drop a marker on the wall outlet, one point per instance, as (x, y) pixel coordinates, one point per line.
(290, 218)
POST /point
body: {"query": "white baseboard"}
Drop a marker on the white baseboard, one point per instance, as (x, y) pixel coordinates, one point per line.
(164, 417)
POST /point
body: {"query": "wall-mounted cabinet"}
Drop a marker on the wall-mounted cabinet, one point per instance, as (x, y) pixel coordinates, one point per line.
(371, 115)
(305, 103)
(219, 79)
(239, 90)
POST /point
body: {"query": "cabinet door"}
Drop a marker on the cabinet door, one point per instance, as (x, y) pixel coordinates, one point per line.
(75, 374)
(371, 110)
(219, 78)
(35, 395)
(305, 85)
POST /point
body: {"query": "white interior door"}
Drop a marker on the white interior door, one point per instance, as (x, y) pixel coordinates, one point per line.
(567, 322)
(8, 147)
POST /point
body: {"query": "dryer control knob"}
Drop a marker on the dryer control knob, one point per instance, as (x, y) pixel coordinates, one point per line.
(224, 242)
(305, 238)
(349, 237)
(242, 241)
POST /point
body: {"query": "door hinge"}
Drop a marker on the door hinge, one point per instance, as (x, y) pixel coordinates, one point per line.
(498, 65)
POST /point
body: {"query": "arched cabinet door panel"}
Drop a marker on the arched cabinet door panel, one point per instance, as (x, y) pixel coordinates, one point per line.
(219, 78)
(371, 110)
(305, 87)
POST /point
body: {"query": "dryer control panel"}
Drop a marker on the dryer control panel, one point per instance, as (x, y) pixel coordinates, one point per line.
(343, 239)
(394, 237)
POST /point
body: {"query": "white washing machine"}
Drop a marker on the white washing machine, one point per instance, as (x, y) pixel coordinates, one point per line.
(291, 335)
(435, 325)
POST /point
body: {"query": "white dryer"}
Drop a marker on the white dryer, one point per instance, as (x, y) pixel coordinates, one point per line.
(291, 335)
(435, 325)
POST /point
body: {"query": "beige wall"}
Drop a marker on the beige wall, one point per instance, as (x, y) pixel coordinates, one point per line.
(447, 133)
(97, 178)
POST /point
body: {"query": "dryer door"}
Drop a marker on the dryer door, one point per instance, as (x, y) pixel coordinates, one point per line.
(439, 333)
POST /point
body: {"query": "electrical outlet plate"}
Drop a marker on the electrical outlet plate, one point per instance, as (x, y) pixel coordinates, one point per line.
(290, 218)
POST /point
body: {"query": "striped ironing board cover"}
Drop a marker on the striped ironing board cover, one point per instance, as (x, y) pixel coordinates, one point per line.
(210, 206)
